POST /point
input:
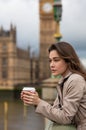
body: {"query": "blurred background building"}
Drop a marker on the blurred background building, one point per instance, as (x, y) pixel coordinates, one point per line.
(14, 62)
(18, 67)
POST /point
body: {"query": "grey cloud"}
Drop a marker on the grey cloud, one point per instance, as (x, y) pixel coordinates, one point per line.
(73, 24)
(24, 14)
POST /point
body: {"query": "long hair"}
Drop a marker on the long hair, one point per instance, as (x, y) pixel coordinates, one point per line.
(67, 53)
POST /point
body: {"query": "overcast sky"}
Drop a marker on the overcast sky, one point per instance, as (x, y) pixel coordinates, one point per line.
(24, 14)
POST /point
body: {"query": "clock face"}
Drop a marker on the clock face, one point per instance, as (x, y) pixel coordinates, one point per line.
(47, 7)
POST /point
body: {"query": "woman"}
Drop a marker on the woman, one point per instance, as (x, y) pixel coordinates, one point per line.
(70, 104)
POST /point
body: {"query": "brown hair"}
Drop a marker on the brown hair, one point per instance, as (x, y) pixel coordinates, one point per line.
(67, 53)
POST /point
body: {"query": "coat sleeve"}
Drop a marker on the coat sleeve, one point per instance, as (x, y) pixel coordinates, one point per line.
(71, 102)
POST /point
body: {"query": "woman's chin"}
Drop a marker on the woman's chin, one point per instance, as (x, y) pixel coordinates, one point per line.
(55, 76)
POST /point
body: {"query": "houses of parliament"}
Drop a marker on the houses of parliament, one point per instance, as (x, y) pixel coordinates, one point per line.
(17, 67)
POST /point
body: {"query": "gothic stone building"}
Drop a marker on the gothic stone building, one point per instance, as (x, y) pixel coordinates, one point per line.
(16, 65)
(50, 17)
(14, 62)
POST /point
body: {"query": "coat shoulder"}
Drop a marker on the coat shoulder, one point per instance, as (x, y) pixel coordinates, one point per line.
(76, 77)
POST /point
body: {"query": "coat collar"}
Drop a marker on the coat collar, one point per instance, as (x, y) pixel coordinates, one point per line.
(63, 78)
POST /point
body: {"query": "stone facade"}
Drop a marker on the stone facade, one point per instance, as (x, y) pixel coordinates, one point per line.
(14, 62)
(48, 28)
(16, 65)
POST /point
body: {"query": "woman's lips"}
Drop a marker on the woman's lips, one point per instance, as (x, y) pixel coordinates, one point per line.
(53, 71)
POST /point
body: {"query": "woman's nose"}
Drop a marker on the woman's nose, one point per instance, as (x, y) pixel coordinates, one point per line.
(52, 64)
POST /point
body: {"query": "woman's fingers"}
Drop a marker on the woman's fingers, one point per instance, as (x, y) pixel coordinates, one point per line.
(30, 97)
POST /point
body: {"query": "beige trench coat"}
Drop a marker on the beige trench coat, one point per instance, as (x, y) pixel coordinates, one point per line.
(73, 102)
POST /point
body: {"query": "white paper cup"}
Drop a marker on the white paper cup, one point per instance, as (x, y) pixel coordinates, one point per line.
(31, 89)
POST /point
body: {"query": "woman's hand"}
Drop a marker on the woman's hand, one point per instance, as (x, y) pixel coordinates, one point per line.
(30, 98)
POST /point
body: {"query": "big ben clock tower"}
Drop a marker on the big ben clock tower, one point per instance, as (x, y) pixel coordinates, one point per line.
(48, 27)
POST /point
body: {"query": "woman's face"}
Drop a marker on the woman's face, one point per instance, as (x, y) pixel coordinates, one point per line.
(57, 65)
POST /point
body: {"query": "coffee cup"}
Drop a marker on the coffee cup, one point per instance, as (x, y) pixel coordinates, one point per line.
(31, 89)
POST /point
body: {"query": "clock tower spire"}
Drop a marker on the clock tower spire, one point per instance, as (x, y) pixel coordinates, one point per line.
(48, 30)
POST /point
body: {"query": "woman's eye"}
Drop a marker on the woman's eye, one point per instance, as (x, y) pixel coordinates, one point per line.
(56, 60)
(49, 61)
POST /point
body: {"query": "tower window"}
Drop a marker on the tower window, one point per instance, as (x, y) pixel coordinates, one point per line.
(4, 62)
(4, 74)
(4, 47)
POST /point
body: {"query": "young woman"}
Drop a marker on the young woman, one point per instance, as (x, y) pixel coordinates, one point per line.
(70, 104)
